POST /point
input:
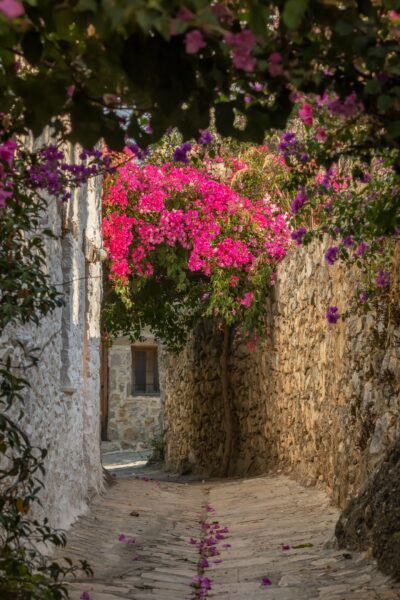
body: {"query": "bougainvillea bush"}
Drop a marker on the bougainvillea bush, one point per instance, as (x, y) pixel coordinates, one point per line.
(341, 195)
(184, 246)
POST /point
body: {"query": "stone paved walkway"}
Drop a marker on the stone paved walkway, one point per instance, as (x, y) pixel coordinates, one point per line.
(263, 514)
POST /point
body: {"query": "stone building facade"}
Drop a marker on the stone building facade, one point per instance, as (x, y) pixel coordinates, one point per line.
(319, 401)
(62, 409)
(131, 417)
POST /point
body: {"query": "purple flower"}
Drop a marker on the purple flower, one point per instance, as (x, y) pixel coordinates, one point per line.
(365, 177)
(299, 200)
(266, 581)
(205, 138)
(298, 235)
(382, 278)
(203, 563)
(85, 596)
(285, 547)
(363, 297)
(121, 537)
(288, 143)
(361, 249)
(332, 315)
(348, 241)
(226, 545)
(7, 150)
(331, 255)
(304, 157)
(180, 153)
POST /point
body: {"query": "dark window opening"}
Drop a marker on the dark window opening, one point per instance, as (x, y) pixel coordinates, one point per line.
(145, 370)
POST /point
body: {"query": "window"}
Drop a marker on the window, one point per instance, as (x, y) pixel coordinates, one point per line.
(145, 370)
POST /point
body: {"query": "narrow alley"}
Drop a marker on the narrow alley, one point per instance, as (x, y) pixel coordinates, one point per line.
(277, 545)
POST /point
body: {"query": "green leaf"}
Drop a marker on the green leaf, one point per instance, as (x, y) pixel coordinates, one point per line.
(372, 87)
(343, 27)
(293, 12)
(394, 130)
(384, 102)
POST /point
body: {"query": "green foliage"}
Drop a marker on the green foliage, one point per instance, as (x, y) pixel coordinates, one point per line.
(131, 56)
(157, 448)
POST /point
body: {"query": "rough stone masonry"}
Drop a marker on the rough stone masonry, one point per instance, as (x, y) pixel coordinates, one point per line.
(321, 402)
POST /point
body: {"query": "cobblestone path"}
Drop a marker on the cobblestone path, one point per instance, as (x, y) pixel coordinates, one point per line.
(263, 515)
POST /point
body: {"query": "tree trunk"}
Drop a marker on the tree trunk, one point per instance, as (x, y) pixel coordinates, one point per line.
(228, 420)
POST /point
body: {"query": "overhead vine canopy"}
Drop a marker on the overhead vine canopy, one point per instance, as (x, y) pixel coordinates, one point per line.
(169, 61)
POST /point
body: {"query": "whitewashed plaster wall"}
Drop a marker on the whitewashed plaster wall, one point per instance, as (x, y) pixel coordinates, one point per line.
(62, 407)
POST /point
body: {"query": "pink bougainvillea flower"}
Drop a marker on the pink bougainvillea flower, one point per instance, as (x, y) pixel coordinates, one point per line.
(394, 15)
(250, 345)
(306, 113)
(285, 547)
(70, 91)
(226, 545)
(184, 14)
(243, 60)
(266, 581)
(275, 66)
(131, 541)
(11, 8)
(85, 596)
(7, 150)
(121, 537)
(247, 299)
(242, 44)
(194, 41)
(321, 134)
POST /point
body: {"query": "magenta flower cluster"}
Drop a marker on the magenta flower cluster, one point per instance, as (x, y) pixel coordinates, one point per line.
(150, 206)
(208, 547)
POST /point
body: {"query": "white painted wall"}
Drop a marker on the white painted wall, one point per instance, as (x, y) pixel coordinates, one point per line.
(62, 410)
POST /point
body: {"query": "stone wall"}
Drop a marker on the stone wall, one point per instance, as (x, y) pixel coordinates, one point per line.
(319, 401)
(134, 421)
(62, 405)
